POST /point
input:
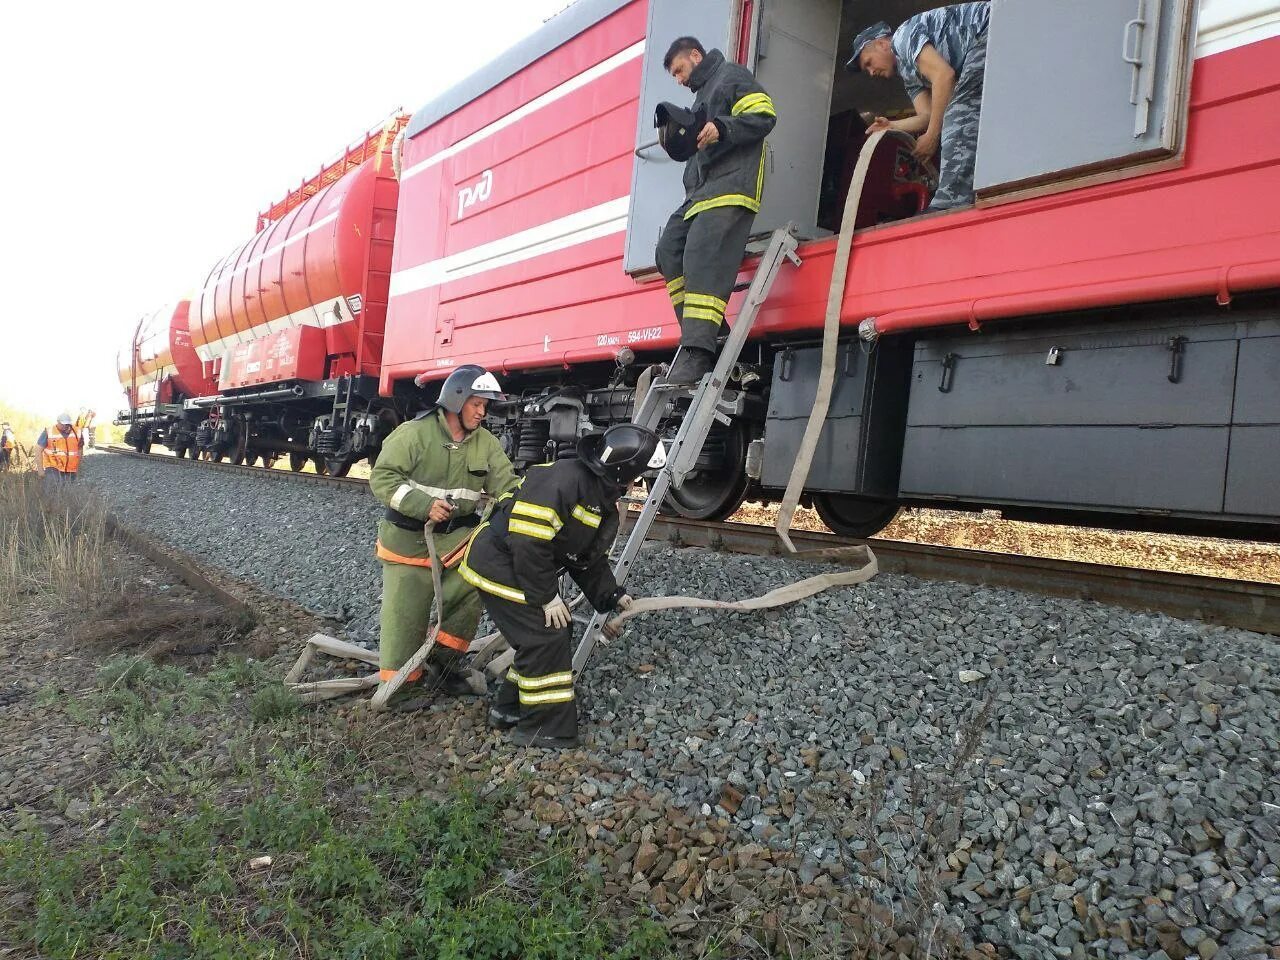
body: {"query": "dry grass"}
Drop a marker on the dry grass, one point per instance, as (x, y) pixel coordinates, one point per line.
(53, 540)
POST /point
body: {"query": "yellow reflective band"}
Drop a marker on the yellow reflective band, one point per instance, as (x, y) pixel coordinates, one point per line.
(677, 298)
(705, 300)
(703, 313)
(546, 514)
(535, 530)
(564, 678)
(547, 696)
(484, 583)
(584, 514)
(728, 200)
(676, 284)
(763, 109)
(751, 104)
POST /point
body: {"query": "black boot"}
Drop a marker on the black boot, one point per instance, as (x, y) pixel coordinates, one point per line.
(690, 366)
(535, 738)
(500, 719)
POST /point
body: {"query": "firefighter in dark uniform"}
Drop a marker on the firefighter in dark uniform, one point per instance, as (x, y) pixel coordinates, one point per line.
(564, 516)
(434, 468)
(701, 247)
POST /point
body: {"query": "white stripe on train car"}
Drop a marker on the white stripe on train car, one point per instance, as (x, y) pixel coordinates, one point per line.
(318, 315)
(223, 277)
(534, 105)
(580, 227)
(1227, 24)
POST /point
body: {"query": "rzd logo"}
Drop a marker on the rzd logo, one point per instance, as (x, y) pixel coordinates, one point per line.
(477, 193)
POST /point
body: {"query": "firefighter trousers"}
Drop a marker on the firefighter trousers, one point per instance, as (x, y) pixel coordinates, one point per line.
(700, 258)
(407, 595)
(539, 686)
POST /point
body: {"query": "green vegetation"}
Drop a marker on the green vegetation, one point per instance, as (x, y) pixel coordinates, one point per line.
(360, 865)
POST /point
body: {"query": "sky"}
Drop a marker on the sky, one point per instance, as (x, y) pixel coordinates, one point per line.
(138, 141)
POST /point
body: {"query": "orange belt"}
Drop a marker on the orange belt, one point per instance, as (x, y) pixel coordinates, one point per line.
(451, 559)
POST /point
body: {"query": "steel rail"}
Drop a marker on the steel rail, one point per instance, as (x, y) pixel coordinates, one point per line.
(1245, 604)
(268, 472)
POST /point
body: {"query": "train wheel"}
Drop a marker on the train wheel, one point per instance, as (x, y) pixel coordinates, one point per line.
(297, 461)
(216, 456)
(852, 516)
(322, 467)
(338, 466)
(193, 452)
(715, 494)
(269, 460)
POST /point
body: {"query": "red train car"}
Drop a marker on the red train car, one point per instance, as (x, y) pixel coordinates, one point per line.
(1095, 341)
(160, 372)
(286, 330)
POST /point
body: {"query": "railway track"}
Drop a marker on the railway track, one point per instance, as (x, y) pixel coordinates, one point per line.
(1246, 604)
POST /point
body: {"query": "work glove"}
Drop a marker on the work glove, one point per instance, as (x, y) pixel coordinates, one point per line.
(624, 602)
(557, 613)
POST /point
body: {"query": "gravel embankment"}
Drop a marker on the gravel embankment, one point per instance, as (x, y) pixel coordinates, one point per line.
(1123, 799)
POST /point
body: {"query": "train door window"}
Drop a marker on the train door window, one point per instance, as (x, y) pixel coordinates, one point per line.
(1075, 88)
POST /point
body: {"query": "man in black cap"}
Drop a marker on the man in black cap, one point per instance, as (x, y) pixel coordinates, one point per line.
(722, 141)
(563, 517)
(941, 55)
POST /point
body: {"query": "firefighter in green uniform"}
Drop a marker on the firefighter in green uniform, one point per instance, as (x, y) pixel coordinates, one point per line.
(434, 468)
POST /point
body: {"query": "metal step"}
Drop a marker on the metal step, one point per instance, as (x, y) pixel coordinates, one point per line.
(708, 405)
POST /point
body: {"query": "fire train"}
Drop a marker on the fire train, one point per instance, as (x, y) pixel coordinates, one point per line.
(1095, 341)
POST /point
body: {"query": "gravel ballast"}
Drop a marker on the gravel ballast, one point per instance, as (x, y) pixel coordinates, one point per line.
(1062, 778)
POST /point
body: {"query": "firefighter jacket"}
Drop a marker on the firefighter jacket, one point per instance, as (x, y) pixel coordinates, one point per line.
(61, 453)
(562, 517)
(730, 172)
(420, 463)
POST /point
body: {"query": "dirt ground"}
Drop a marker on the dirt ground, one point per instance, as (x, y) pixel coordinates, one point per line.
(88, 745)
(1206, 556)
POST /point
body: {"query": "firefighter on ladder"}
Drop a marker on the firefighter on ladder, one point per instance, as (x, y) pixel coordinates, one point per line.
(59, 450)
(722, 141)
(434, 468)
(563, 517)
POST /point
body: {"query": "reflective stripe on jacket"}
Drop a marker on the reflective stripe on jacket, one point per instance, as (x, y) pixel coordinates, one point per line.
(62, 453)
(730, 172)
(563, 517)
(421, 463)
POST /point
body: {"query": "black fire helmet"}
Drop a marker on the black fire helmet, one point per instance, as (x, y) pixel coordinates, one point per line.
(622, 452)
(678, 129)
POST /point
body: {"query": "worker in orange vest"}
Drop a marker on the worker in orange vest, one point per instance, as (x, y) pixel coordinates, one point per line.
(8, 446)
(60, 448)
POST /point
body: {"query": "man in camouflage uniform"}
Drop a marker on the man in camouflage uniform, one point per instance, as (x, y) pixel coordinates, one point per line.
(941, 55)
(433, 469)
(701, 247)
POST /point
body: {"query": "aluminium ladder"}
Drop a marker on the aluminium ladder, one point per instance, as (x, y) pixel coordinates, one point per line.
(711, 403)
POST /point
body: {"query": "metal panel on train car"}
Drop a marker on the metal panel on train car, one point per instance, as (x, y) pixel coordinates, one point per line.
(857, 449)
(1253, 472)
(1133, 418)
(1105, 77)
(294, 354)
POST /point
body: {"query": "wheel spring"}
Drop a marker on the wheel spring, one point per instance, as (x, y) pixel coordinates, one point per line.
(532, 446)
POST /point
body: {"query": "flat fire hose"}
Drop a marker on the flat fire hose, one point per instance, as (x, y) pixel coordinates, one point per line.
(830, 341)
(385, 690)
(867, 568)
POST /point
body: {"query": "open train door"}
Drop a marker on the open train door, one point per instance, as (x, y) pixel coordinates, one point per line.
(792, 48)
(1082, 87)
